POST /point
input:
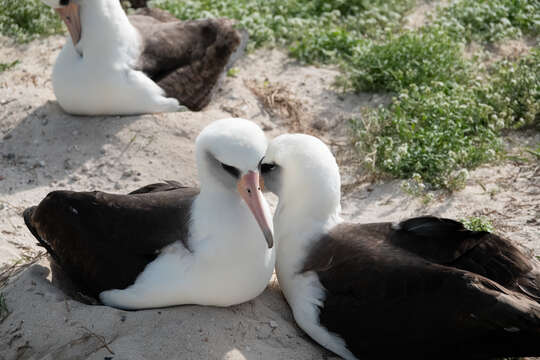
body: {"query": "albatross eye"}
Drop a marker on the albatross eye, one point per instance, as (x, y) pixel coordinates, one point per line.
(231, 170)
(266, 168)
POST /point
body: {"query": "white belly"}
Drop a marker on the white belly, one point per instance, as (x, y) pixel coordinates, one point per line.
(229, 263)
(94, 86)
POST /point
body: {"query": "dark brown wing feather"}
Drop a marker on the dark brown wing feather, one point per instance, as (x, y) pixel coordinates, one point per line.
(136, 4)
(435, 239)
(385, 300)
(185, 58)
(103, 241)
(447, 242)
(168, 185)
(157, 14)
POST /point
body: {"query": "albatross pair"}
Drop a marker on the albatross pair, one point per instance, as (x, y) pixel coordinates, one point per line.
(149, 62)
(423, 288)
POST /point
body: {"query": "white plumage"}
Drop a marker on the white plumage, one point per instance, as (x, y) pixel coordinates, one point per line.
(306, 209)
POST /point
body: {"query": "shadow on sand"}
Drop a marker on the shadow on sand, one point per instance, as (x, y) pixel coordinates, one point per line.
(49, 144)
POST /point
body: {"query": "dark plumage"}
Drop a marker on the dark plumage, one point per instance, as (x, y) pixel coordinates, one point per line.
(185, 58)
(136, 4)
(92, 235)
(427, 288)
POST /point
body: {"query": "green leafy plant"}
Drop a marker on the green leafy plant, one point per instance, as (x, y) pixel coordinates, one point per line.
(233, 72)
(415, 187)
(411, 58)
(477, 223)
(299, 23)
(8, 66)
(535, 152)
(28, 19)
(514, 90)
(326, 45)
(490, 20)
(434, 131)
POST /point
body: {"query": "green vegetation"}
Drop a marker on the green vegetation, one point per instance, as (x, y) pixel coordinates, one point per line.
(490, 20)
(28, 19)
(233, 72)
(449, 112)
(475, 223)
(514, 92)
(432, 131)
(313, 29)
(438, 129)
(535, 152)
(8, 66)
(411, 58)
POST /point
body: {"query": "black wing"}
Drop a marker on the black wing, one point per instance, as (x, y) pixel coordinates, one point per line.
(168, 185)
(185, 58)
(103, 241)
(447, 242)
(385, 300)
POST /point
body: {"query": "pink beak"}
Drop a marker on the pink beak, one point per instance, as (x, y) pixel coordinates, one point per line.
(70, 15)
(249, 188)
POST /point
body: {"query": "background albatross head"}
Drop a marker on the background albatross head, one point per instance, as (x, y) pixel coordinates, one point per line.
(69, 11)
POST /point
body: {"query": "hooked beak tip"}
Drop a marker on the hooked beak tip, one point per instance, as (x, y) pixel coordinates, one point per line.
(269, 237)
(249, 188)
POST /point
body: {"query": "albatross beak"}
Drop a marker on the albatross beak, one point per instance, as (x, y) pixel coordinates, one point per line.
(70, 15)
(250, 190)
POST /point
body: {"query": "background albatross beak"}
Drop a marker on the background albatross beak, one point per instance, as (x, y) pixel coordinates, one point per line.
(70, 15)
(250, 190)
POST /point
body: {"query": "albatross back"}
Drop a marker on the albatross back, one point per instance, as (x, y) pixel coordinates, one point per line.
(104, 241)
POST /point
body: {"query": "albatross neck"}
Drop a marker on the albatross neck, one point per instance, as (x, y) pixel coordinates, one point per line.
(106, 30)
(296, 228)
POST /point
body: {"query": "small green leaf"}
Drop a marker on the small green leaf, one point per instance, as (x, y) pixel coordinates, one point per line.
(233, 72)
(8, 66)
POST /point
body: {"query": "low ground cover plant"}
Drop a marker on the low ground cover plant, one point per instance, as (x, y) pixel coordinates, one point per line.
(439, 128)
(25, 20)
(477, 223)
(8, 66)
(298, 23)
(413, 57)
(490, 20)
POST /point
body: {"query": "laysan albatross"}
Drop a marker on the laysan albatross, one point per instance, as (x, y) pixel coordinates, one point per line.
(422, 288)
(150, 62)
(166, 244)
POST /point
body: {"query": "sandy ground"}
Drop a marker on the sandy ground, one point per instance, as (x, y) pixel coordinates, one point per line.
(43, 149)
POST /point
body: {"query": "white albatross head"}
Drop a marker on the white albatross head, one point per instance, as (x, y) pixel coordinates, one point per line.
(69, 11)
(302, 171)
(228, 154)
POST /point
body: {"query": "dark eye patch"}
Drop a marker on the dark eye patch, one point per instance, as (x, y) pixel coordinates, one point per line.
(64, 2)
(231, 170)
(266, 168)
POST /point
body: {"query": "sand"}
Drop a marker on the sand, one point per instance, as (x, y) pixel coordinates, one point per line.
(43, 149)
